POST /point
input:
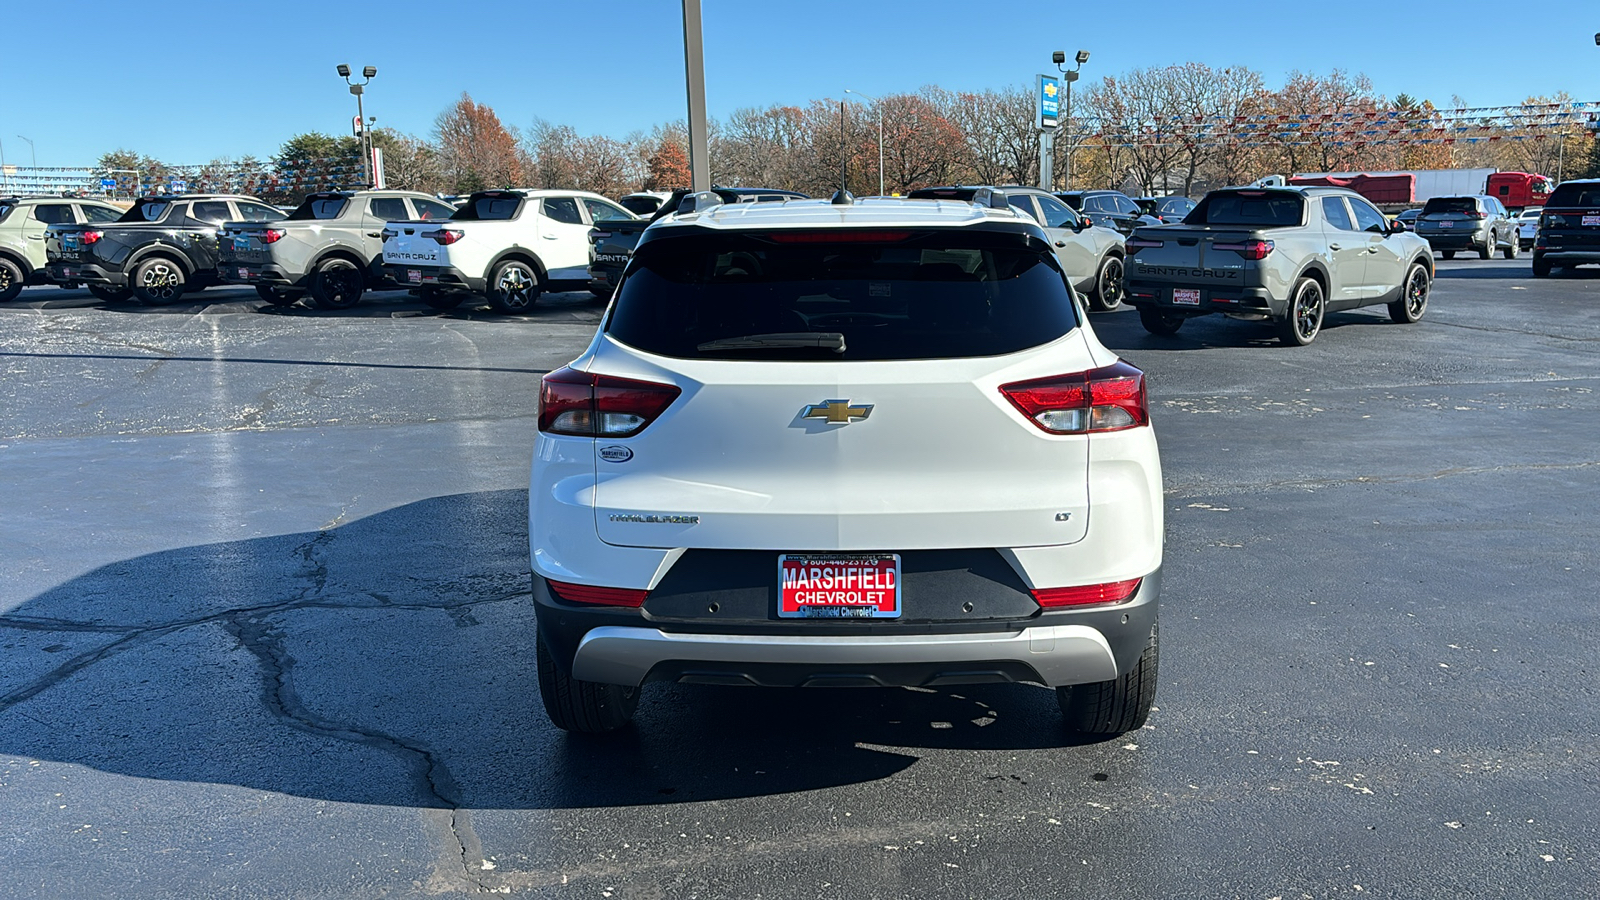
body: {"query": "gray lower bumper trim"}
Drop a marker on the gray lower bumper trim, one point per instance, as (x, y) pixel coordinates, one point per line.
(1061, 654)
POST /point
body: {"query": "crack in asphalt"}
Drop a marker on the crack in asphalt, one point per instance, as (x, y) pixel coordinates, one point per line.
(252, 628)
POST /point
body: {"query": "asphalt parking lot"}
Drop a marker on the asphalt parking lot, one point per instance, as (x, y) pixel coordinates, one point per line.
(264, 631)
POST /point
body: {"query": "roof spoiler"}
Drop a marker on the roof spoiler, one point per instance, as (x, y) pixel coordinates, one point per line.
(700, 202)
(991, 198)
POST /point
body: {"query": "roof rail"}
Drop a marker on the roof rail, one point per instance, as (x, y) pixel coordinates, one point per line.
(694, 203)
(991, 198)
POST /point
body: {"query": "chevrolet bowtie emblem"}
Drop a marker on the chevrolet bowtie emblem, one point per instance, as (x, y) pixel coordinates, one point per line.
(838, 412)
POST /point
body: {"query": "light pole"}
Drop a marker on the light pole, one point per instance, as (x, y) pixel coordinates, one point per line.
(1069, 76)
(31, 153)
(358, 88)
(880, 134)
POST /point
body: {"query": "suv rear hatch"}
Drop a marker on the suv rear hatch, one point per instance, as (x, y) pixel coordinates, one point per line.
(1571, 218)
(843, 395)
(1450, 215)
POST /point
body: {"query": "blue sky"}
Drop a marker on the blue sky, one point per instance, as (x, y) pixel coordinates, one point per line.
(188, 81)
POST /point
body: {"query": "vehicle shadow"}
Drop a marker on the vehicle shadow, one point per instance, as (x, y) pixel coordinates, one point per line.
(399, 304)
(1522, 271)
(390, 660)
(1121, 331)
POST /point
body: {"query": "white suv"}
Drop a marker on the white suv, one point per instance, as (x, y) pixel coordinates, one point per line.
(508, 245)
(846, 443)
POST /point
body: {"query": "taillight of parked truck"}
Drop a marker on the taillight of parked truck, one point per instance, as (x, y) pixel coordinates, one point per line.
(447, 235)
(91, 237)
(272, 235)
(1247, 249)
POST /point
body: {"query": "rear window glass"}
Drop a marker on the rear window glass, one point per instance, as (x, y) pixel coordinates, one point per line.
(933, 295)
(5, 210)
(1264, 209)
(1450, 205)
(641, 206)
(489, 209)
(148, 211)
(319, 208)
(1570, 194)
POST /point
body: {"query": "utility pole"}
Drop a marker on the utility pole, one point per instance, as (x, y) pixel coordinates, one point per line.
(694, 65)
(880, 134)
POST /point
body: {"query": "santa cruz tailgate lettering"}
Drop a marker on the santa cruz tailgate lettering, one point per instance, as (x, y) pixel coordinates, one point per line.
(1181, 272)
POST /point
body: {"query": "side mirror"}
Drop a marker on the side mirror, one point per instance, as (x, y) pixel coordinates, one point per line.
(1081, 223)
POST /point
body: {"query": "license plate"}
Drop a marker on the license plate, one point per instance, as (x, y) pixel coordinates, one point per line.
(839, 586)
(1591, 221)
(1184, 297)
(414, 276)
(66, 273)
(1447, 224)
(244, 274)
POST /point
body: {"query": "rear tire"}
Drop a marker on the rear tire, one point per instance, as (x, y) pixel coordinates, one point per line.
(337, 284)
(1157, 322)
(1489, 245)
(276, 296)
(109, 294)
(11, 280)
(1108, 288)
(1448, 254)
(1541, 267)
(514, 287)
(158, 281)
(583, 706)
(1110, 708)
(1302, 321)
(434, 298)
(1514, 249)
(1414, 293)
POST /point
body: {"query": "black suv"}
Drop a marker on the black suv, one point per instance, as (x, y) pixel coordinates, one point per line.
(1569, 228)
(1113, 209)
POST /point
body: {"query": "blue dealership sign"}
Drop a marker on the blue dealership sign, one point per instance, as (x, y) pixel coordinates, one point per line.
(1049, 101)
(109, 184)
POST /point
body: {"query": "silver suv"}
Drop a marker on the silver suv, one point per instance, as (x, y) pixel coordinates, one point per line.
(23, 221)
(1290, 255)
(330, 247)
(1477, 222)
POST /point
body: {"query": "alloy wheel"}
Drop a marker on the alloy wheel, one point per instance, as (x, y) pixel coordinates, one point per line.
(1308, 312)
(516, 287)
(161, 281)
(1417, 293)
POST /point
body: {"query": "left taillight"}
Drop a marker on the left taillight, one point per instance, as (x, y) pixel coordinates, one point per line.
(598, 596)
(1086, 594)
(1106, 399)
(584, 405)
(90, 237)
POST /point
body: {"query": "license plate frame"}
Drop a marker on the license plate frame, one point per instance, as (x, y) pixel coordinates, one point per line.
(1186, 296)
(414, 276)
(1591, 221)
(836, 586)
(1447, 224)
(244, 274)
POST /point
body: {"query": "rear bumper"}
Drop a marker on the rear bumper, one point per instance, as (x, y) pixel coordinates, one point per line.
(1212, 299)
(1054, 647)
(446, 278)
(1464, 241)
(235, 273)
(1568, 257)
(86, 273)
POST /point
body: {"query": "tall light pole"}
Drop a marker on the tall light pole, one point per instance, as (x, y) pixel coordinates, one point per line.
(359, 88)
(1069, 76)
(694, 70)
(880, 134)
(33, 155)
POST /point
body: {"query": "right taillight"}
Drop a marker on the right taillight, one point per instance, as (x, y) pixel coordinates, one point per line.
(91, 237)
(1248, 249)
(1106, 399)
(447, 236)
(1137, 243)
(585, 405)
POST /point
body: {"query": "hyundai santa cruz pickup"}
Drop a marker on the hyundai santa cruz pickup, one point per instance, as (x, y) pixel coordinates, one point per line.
(846, 443)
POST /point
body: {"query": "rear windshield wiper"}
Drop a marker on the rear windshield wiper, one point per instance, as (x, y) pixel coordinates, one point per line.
(827, 340)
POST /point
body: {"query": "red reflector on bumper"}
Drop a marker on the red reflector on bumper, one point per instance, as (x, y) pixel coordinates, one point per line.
(1086, 594)
(599, 596)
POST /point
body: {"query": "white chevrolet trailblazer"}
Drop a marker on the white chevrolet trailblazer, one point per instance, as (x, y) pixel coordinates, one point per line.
(508, 245)
(846, 443)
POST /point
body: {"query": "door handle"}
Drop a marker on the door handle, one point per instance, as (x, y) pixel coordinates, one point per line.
(549, 237)
(1334, 247)
(374, 234)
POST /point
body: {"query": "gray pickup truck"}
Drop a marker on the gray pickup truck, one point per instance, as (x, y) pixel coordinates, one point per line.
(1288, 255)
(330, 247)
